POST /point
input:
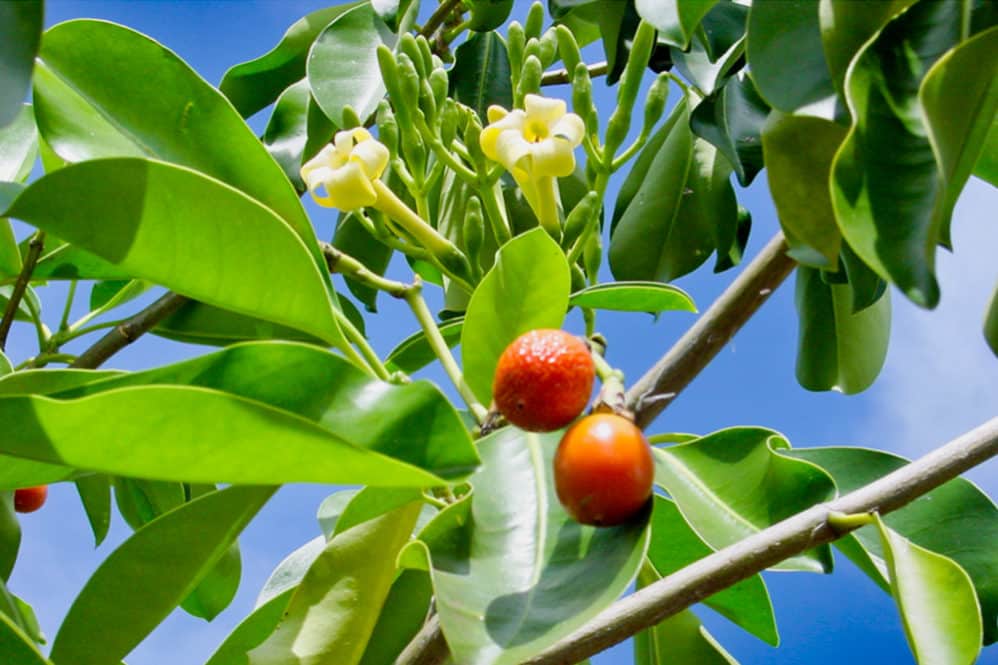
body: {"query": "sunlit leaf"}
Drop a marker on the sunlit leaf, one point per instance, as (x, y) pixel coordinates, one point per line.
(480, 76)
(18, 145)
(634, 297)
(717, 48)
(403, 614)
(297, 129)
(675, 20)
(414, 351)
(10, 535)
(20, 32)
(731, 119)
(95, 495)
(15, 645)
(251, 632)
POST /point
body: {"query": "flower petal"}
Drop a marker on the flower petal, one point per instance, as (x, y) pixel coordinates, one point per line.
(510, 149)
(543, 109)
(495, 113)
(571, 128)
(552, 157)
(372, 156)
(489, 138)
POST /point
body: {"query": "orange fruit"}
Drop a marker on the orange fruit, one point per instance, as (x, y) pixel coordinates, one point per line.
(543, 380)
(603, 470)
(30, 499)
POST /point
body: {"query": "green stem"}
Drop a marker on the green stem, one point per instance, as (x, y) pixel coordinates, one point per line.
(453, 33)
(414, 298)
(343, 263)
(547, 206)
(20, 286)
(489, 195)
(43, 359)
(845, 523)
(64, 321)
(75, 330)
(631, 150)
(599, 186)
(367, 357)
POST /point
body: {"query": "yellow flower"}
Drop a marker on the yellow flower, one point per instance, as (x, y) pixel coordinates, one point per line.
(347, 170)
(536, 145)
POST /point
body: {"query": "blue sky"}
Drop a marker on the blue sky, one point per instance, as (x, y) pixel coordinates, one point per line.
(940, 380)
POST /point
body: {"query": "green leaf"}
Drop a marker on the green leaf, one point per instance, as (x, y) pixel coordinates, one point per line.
(506, 562)
(20, 32)
(18, 145)
(847, 25)
(991, 324)
(987, 164)
(332, 508)
(890, 199)
(352, 238)
(936, 600)
(146, 432)
(488, 15)
(798, 181)
(480, 76)
(956, 520)
(414, 352)
(15, 645)
(10, 257)
(372, 502)
(838, 348)
(334, 609)
(16, 472)
(634, 297)
(618, 21)
(10, 535)
(717, 48)
(731, 119)
(251, 632)
(678, 640)
(785, 54)
(103, 90)
(118, 607)
(392, 11)
(402, 616)
(21, 614)
(193, 234)
(107, 295)
(23, 312)
(361, 419)
(198, 323)
(959, 99)
(296, 131)
(47, 381)
(678, 193)
(5, 366)
(63, 261)
(675, 545)
(355, 81)
(675, 20)
(252, 85)
(527, 288)
(141, 501)
(289, 572)
(95, 494)
(737, 481)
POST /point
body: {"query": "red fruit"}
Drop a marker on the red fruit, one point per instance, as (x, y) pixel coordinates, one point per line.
(543, 380)
(30, 499)
(603, 470)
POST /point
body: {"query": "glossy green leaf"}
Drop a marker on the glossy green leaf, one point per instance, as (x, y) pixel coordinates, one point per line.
(678, 640)
(198, 323)
(10, 257)
(675, 545)
(48, 381)
(889, 198)
(675, 207)
(296, 131)
(23, 312)
(60, 260)
(936, 599)
(5, 366)
(95, 495)
(20, 31)
(618, 21)
(10, 535)
(288, 573)
(404, 612)
(106, 295)
(634, 297)
(798, 181)
(141, 501)
(251, 632)
(352, 238)
(480, 76)
(16, 472)
(716, 49)
(147, 433)
(332, 508)
(193, 234)
(21, 614)
(987, 164)
(506, 563)
(414, 352)
(218, 588)
(785, 53)
(527, 288)
(372, 502)
(355, 81)
(675, 20)
(847, 25)
(103, 90)
(488, 15)
(959, 99)
(117, 608)
(737, 481)
(837, 348)
(731, 119)
(18, 146)
(15, 645)
(956, 520)
(252, 85)
(365, 419)
(334, 609)
(991, 324)
(392, 11)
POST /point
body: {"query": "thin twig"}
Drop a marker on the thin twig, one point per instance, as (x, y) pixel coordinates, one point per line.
(815, 526)
(661, 384)
(559, 76)
(21, 285)
(126, 333)
(438, 17)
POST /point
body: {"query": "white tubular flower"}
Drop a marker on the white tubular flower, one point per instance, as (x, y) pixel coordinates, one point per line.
(536, 145)
(347, 170)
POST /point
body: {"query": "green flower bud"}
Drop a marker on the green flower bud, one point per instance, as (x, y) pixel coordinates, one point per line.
(350, 118)
(427, 101)
(530, 79)
(533, 48)
(578, 278)
(582, 99)
(658, 94)
(578, 220)
(409, 48)
(439, 83)
(425, 54)
(592, 255)
(450, 117)
(548, 48)
(535, 21)
(390, 75)
(627, 89)
(474, 231)
(388, 128)
(515, 42)
(408, 82)
(472, 132)
(568, 48)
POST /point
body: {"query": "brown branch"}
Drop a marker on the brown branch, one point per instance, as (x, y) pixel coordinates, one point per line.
(661, 384)
(121, 336)
(21, 285)
(810, 528)
(559, 76)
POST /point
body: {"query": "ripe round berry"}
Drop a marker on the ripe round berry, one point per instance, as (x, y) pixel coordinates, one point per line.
(30, 499)
(543, 380)
(603, 470)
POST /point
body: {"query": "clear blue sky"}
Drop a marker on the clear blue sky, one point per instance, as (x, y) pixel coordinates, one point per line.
(940, 380)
